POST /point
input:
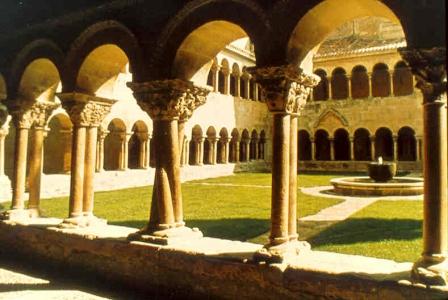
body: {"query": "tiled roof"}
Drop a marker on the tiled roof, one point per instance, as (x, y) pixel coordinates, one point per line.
(357, 45)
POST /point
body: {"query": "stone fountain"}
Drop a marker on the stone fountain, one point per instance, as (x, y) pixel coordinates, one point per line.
(380, 182)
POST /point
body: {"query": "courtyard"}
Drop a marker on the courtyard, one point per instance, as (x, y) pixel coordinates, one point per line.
(237, 208)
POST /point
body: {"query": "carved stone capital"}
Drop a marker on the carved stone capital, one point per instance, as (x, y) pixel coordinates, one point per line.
(86, 110)
(27, 114)
(429, 68)
(285, 88)
(169, 99)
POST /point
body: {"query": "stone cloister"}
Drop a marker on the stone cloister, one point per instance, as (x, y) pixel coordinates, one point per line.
(78, 57)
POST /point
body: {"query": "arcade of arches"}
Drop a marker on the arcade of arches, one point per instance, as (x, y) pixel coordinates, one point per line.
(209, 87)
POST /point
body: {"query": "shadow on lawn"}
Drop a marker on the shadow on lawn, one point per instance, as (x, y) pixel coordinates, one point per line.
(354, 231)
(240, 229)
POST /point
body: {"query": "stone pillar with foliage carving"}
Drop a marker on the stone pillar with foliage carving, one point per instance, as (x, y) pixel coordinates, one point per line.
(86, 113)
(167, 102)
(429, 69)
(285, 90)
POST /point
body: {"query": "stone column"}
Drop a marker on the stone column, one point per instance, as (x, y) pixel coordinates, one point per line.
(200, 151)
(86, 113)
(285, 89)
(429, 67)
(352, 148)
(369, 75)
(35, 170)
(186, 154)
(372, 147)
(226, 143)
(166, 102)
(237, 85)
(330, 91)
(313, 149)
(100, 150)
(391, 83)
(212, 153)
(395, 139)
(293, 157)
(237, 151)
(331, 149)
(127, 137)
(3, 134)
(349, 87)
(247, 152)
(148, 151)
(419, 145)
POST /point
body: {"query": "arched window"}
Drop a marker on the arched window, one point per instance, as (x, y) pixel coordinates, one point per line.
(234, 80)
(360, 82)
(137, 146)
(221, 146)
(210, 78)
(233, 146)
(195, 145)
(320, 92)
(339, 84)
(407, 144)
(304, 145)
(209, 146)
(57, 145)
(262, 145)
(245, 139)
(322, 145)
(253, 149)
(114, 146)
(221, 81)
(362, 145)
(341, 145)
(384, 144)
(252, 89)
(402, 80)
(380, 81)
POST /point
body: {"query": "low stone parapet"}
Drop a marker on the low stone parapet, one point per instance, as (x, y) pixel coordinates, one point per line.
(209, 267)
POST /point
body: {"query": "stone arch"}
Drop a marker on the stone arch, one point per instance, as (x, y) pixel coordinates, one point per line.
(209, 146)
(137, 145)
(262, 145)
(57, 145)
(223, 74)
(244, 146)
(402, 79)
(212, 73)
(384, 143)
(311, 23)
(304, 145)
(320, 92)
(322, 141)
(234, 146)
(360, 82)
(196, 146)
(114, 145)
(362, 145)
(331, 118)
(253, 145)
(341, 144)
(222, 146)
(407, 144)
(196, 25)
(381, 80)
(111, 33)
(50, 57)
(234, 79)
(339, 84)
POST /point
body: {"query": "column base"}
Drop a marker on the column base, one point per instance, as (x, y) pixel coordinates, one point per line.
(5, 188)
(430, 271)
(82, 222)
(16, 214)
(282, 253)
(166, 236)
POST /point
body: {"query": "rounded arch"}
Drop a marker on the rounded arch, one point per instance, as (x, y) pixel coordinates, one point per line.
(311, 29)
(407, 144)
(262, 145)
(37, 50)
(223, 76)
(339, 84)
(109, 32)
(244, 145)
(360, 82)
(253, 145)
(195, 145)
(57, 145)
(304, 145)
(381, 81)
(403, 82)
(384, 143)
(362, 145)
(178, 42)
(138, 156)
(320, 92)
(341, 144)
(114, 145)
(234, 80)
(322, 141)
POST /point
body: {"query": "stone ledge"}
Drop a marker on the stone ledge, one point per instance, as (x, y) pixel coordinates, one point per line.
(213, 267)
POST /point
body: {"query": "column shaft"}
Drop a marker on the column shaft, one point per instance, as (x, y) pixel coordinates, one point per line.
(313, 149)
(372, 148)
(332, 157)
(292, 224)
(89, 170)
(352, 149)
(77, 171)
(280, 179)
(19, 178)
(2, 152)
(435, 221)
(35, 169)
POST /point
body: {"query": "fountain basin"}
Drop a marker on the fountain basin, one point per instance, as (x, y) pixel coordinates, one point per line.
(364, 186)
